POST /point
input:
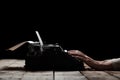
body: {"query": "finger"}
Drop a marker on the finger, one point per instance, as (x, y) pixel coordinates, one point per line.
(77, 57)
(72, 50)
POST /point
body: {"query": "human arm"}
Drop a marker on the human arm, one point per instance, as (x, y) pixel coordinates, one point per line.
(96, 64)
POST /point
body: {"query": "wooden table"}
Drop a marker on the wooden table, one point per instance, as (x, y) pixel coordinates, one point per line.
(13, 69)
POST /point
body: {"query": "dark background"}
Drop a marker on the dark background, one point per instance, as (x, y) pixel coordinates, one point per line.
(93, 31)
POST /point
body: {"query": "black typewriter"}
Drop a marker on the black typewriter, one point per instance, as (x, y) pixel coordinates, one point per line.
(50, 57)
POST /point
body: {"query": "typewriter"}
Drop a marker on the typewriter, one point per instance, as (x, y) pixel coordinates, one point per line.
(50, 57)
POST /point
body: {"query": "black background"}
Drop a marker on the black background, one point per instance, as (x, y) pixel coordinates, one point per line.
(92, 30)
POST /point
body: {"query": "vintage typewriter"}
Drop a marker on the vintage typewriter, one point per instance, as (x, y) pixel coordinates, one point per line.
(50, 57)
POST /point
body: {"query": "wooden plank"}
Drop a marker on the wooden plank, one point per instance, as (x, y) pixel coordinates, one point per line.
(114, 73)
(12, 65)
(11, 75)
(18, 63)
(9, 69)
(5, 76)
(14, 70)
(16, 75)
(25, 75)
(44, 75)
(98, 75)
(6, 62)
(69, 75)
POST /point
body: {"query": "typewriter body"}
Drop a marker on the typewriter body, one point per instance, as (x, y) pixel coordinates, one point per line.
(50, 57)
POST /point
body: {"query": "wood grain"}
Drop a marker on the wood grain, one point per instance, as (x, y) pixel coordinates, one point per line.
(13, 69)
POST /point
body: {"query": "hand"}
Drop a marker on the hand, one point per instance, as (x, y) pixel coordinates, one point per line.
(77, 54)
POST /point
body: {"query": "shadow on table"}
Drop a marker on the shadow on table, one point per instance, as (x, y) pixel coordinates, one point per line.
(14, 68)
